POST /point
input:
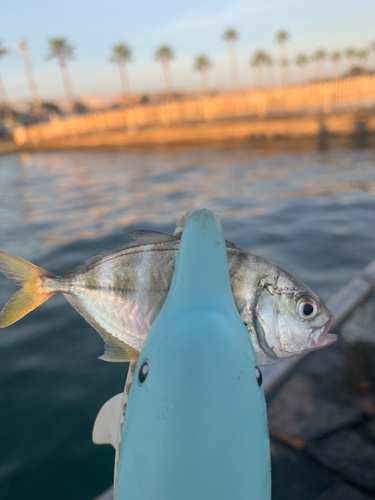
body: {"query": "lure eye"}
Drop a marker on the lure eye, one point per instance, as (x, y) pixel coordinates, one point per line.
(143, 372)
(307, 307)
(259, 376)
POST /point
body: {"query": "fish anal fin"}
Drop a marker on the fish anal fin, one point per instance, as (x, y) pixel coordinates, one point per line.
(114, 349)
(117, 351)
(21, 303)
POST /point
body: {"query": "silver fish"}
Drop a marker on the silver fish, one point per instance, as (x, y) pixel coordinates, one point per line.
(121, 291)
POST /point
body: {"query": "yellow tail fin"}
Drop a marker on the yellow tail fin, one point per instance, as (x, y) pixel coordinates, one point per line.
(31, 295)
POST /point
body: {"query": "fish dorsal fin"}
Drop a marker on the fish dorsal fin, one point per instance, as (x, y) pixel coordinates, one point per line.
(147, 237)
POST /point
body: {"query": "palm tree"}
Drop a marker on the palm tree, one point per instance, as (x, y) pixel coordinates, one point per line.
(336, 58)
(320, 56)
(24, 50)
(258, 61)
(121, 54)
(362, 56)
(60, 48)
(202, 64)
(231, 35)
(350, 55)
(282, 37)
(302, 61)
(268, 62)
(372, 49)
(165, 54)
(7, 113)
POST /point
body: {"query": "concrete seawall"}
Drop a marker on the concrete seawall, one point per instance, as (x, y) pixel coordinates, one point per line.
(357, 124)
(316, 109)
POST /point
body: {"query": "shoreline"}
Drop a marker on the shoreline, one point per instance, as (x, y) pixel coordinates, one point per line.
(321, 128)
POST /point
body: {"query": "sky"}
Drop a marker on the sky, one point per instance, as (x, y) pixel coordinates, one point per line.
(189, 27)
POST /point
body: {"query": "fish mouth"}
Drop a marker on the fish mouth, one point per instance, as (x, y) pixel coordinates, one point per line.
(319, 336)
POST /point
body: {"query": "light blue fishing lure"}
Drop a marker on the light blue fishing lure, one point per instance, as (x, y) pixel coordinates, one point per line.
(196, 426)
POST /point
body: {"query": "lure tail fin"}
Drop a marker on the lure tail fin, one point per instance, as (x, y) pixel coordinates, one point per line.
(32, 293)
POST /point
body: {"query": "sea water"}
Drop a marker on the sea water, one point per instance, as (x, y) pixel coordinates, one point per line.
(311, 212)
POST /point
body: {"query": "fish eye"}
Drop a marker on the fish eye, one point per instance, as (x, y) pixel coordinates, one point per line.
(258, 375)
(307, 307)
(143, 372)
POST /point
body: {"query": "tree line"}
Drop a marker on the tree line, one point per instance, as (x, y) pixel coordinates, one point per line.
(261, 61)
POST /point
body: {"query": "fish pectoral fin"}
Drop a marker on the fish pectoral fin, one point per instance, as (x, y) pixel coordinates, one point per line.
(107, 423)
(147, 237)
(114, 349)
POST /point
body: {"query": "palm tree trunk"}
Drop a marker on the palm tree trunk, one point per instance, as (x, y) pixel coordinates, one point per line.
(284, 73)
(301, 75)
(167, 76)
(349, 64)
(8, 116)
(233, 64)
(67, 83)
(336, 70)
(305, 74)
(31, 82)
(286, 68)
(259, 75)
(204, 80)
(266, 76)
(271, 76)
(281, 65)
(364, 64)
(319, 69)
(123, 81)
